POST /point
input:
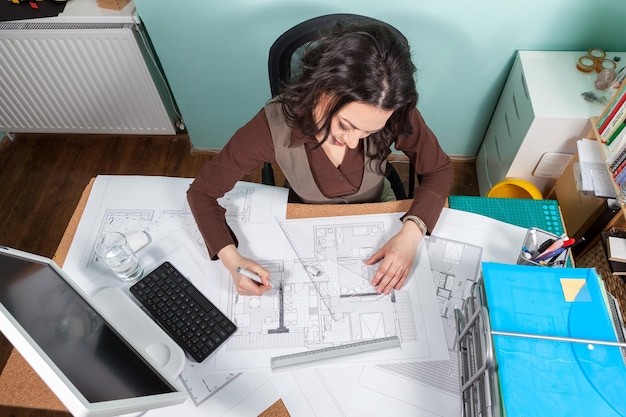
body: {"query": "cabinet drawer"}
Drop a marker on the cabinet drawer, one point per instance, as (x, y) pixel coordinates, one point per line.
(506, 144)
(513, 116)
(522, 107)
(488, 167)
(481, 171)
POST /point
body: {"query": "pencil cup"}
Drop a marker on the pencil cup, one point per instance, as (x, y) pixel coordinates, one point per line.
(535, 243)
(113, 249)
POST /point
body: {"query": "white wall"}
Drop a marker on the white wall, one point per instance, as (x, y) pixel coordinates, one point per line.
(215, 53)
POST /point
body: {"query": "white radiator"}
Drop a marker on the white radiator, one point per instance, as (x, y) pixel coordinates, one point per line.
(78, 78)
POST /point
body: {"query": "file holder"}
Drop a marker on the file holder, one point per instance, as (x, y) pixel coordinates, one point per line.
(478, 377)
(533, 240)
(618, 319)
(480, 394)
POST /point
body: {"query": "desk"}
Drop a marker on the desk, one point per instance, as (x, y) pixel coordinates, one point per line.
(20, 379)
(21, 387)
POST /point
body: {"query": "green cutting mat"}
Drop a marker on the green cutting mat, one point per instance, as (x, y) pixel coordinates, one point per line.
(542, 214)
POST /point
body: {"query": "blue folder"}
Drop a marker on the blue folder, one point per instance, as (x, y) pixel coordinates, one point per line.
(552, 377)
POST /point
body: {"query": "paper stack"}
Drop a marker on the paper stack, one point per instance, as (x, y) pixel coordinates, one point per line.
(593, 175)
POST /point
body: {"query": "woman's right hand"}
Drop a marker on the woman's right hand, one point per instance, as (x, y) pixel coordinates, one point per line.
(232, 259)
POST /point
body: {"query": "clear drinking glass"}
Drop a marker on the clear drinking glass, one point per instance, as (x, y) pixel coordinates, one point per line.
(113, 249)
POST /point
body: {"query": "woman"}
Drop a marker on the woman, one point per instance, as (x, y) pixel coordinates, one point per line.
(331, 132)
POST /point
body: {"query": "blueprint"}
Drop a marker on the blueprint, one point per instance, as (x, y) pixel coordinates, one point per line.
(336, 306)
(458, 244)
(295, 318)
(455, 267)
(158, 206)
(425, 388)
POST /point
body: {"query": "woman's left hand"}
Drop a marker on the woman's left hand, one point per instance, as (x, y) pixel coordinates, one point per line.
(397, 257)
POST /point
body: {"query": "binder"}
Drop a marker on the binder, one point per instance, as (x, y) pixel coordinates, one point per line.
(552, 378)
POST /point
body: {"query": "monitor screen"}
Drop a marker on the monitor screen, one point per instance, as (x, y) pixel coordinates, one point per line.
(76, 339)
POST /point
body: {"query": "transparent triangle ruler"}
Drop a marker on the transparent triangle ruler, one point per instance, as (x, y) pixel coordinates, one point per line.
(332, 353)
(341, 289)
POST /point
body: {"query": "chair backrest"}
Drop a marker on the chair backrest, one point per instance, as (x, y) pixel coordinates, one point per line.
(284, 64)
(287, 51)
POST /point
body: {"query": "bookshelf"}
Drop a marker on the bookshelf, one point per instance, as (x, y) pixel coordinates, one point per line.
(585, 215)
(607, 129)
(619, 191)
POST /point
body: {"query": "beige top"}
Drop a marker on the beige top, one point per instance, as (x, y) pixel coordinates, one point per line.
(294, 163)
(254, 143)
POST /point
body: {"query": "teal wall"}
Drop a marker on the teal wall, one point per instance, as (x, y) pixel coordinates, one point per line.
(214, 53)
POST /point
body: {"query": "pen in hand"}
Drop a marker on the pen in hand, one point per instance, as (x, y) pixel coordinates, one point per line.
(254, 277)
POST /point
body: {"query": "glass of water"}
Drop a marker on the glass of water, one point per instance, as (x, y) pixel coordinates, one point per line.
(113, 249)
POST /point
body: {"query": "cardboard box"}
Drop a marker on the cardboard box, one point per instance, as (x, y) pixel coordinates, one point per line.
(112, 4)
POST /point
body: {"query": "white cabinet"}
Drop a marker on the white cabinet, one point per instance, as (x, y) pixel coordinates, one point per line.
(540, 111)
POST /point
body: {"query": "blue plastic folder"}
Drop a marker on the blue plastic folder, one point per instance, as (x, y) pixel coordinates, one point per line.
(554, 377)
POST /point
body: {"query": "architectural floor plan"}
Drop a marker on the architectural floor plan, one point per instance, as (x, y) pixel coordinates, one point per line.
(321, 294)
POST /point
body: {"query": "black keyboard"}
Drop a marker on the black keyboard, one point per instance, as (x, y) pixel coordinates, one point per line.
(183, 312)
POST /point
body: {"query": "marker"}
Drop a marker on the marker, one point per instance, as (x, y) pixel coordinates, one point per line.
(558, 244)
(545, 245)
(578, 242)
(550, 254)
(569, 243)
(254, 277)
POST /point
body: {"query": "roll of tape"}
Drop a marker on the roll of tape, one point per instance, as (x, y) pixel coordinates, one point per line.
(605, 64)
(586, 64)
(597, 54)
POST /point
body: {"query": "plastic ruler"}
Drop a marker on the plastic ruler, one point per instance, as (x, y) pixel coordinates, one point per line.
(316, 356)
(310, 274)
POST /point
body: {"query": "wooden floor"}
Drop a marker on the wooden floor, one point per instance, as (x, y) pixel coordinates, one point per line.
(43, 176)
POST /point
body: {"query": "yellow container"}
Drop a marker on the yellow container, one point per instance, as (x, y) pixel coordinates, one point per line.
(515, 188)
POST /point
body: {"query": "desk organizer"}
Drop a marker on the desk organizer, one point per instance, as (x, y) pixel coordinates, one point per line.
(541, 342)
(530, 249)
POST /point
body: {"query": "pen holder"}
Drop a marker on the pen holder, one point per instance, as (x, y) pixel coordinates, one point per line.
(531, 250)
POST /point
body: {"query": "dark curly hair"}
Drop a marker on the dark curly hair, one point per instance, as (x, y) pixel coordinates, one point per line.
(355, 63)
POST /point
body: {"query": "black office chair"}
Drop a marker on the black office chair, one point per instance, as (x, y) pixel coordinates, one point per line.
(284, 64)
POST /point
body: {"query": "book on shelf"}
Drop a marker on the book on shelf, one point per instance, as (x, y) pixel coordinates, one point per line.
(611, 109)
(614, 119)
(603, 118)
(615, 152)
(614, 129)
(619, 169)
(620, 178)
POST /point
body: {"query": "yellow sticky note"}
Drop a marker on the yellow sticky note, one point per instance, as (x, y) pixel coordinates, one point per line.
(571, 287)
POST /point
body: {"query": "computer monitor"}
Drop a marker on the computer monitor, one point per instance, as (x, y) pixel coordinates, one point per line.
(84, 358)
